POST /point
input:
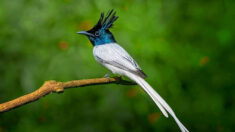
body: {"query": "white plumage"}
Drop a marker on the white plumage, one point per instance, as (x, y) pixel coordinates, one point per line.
(116, 59)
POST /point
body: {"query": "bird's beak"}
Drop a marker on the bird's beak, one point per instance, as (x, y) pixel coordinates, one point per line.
(85, 33)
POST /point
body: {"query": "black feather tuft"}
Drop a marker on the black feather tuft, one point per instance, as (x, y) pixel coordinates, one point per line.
(105, 22)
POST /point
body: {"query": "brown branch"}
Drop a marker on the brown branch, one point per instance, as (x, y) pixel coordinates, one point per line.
(58, 87)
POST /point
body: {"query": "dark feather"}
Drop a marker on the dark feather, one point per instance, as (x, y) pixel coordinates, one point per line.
(141, 73)
(105, 22)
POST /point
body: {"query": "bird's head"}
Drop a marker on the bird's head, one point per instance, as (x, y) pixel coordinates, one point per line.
(100, 33)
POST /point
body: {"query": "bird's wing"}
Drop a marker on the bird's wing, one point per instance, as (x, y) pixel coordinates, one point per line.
(115, 55)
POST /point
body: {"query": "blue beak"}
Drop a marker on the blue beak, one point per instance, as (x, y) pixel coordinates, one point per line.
(85, 33)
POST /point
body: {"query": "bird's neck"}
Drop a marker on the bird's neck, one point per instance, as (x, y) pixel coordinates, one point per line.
(104, 40)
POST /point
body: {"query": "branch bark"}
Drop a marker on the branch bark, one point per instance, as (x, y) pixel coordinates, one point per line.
(58, 87)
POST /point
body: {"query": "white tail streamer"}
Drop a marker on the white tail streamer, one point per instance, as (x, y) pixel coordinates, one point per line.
(160, 102)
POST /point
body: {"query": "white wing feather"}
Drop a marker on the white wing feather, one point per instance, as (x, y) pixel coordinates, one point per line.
(113, 52)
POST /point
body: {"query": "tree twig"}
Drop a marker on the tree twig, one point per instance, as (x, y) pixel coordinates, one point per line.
(58, 87)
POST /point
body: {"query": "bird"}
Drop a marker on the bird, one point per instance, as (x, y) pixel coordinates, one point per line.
(111, 55)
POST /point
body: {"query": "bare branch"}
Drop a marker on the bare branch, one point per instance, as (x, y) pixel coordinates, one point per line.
(58, 87)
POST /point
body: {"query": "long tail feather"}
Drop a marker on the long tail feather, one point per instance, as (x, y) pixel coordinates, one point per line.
(159, 101)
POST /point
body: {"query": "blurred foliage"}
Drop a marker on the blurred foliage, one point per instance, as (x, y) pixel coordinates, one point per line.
(185, 47)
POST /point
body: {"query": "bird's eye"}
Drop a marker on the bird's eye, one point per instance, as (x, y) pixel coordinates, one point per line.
(97, 33)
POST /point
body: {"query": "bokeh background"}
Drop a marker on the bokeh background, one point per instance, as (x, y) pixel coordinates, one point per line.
(185, 47)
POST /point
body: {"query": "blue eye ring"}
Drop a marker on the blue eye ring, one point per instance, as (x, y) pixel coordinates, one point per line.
(97, 33)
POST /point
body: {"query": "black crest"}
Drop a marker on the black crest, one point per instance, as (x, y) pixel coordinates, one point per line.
(105, 22)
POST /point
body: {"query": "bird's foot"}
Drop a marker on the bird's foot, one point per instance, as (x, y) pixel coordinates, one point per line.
(107, 76)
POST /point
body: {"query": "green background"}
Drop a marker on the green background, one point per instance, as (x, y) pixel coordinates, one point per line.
(185, 47)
